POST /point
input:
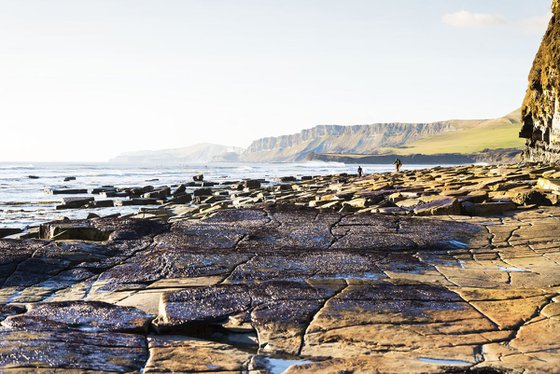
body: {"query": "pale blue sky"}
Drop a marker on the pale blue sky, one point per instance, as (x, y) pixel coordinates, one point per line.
(85, 80)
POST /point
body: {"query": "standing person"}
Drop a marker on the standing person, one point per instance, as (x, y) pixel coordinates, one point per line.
(398, 164)
(360, 171)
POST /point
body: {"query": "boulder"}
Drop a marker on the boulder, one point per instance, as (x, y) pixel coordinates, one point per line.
(202, 192)
(439, 207)
(138, 191)
(181, 199)
(161, 193)
(180, 190)
(75, 202)
(530, 197)
(251, 183)
(474, 197)
(548, 184)
(489, 208)
(68, 179)
(72, 231)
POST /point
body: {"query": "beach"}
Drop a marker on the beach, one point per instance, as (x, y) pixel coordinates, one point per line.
(430, 270)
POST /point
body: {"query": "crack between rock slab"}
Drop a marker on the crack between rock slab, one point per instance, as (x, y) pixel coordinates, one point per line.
(22, 261)
(511, 234)
(335, 237)
(479, 311)
(132, 254)
(237, 267)
(530, 320)
(411, 324)
(302, 345)
(445, 276)
(491, 237)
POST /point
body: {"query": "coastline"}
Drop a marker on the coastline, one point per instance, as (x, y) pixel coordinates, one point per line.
(319, 275)
(476, 190)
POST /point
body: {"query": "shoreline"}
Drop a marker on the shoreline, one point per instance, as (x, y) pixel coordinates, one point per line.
(476, 190)
(313, 289)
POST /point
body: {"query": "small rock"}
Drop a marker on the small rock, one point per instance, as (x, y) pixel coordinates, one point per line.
(97, 191)
(68, 179)
(251, 183)
(202, 192)
(158, 194)
(180, 190)
(68, 191)
(71, 231)
(75, 202)
(288, 179)
(548, 184)
(7, 231)
(138, 201)
(101, 204)
(439, 207)
(181, 199)
(109, 194)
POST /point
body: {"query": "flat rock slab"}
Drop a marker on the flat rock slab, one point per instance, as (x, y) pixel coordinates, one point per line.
(188, 355)
(90, 316)
(61, 349)
(265, 289)
(279, 311)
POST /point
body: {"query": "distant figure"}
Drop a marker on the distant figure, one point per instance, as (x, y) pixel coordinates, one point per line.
(398, 164)
(360, 172)
(198, 178)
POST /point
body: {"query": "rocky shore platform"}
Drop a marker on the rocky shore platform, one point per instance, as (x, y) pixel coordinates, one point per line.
(431, 271)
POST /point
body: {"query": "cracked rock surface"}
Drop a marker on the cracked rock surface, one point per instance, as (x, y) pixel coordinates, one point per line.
(268, 289)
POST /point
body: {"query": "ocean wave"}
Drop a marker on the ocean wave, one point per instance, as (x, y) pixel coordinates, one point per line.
(17, 167)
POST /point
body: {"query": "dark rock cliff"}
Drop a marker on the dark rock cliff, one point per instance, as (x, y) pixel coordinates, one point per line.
(541, 107)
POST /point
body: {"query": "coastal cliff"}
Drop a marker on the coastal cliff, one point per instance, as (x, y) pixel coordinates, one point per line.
(364, 139)
(198, 153)
(541, 107)
(469, 137)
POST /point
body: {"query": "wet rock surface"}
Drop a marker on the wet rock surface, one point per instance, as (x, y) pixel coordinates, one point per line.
(280, 287)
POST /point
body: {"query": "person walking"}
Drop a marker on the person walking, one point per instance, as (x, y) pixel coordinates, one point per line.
(360, 172)
(398, 164)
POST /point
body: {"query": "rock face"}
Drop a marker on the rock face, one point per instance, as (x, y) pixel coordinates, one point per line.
(541, 108)
(340, 139)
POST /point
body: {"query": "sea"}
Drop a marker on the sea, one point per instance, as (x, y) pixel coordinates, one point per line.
(26, 202)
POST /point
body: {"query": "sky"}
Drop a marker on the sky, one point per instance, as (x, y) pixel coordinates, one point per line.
(84, 80)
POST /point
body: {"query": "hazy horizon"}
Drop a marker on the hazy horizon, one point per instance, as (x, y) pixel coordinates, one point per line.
(86, 81)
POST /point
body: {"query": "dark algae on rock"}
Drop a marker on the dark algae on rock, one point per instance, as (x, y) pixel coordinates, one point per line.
(315, 291)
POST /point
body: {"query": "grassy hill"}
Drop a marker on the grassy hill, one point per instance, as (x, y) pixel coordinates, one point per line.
(470, 137)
